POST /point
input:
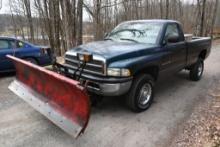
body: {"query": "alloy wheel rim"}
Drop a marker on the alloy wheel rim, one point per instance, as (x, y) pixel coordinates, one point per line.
(200, 70)
(145, 94)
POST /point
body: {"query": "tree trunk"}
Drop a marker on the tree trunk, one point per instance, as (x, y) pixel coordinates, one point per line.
(80, 22)
(161, 9)
(214, 16)
(202, 22)
(56, 11)
(167, 8)
(29, 17)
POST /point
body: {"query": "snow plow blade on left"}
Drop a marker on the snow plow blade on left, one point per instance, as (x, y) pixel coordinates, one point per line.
(60, 99)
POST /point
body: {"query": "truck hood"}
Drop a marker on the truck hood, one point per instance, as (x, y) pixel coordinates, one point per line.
(112, 49)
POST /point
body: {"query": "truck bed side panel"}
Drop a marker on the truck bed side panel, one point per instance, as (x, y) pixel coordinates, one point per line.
(195, 47)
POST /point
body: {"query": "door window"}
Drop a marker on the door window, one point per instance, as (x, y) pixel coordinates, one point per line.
(4, 44)
(172, 30)
(16, 44)
(12, 44)
(19, 44)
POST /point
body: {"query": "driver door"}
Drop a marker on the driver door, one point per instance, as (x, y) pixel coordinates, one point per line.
(177, 51)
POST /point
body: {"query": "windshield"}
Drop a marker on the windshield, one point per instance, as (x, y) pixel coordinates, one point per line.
(138, 32)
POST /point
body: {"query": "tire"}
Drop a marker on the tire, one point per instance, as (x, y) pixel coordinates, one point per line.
(141, 94)
(196, 71)
(32, 61)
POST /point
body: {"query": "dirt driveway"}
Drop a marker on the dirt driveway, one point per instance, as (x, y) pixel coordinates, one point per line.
(111, 124)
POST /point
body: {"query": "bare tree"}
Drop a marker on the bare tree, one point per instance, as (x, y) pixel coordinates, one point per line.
(202, 18)
(214, 16)
(61, 21)
(29, 17)
(167, 8)
(80, 21)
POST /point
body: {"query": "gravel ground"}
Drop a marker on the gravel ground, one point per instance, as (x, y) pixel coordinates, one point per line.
(202, 129)
(112, 124)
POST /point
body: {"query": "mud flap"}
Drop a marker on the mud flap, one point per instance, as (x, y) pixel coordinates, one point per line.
(60, 99)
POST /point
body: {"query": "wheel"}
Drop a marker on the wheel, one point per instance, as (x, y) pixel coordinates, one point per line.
(32, 61)
(196, 71)
(141, 93)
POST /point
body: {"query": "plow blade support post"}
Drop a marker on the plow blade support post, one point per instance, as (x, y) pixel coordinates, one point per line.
(58, 98)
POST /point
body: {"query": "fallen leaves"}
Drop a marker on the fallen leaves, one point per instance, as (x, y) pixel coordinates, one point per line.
(203, 127)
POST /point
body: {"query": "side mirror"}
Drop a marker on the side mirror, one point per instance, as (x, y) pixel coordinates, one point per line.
(172, 39)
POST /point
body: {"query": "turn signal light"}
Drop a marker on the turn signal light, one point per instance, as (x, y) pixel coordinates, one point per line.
(85, 57)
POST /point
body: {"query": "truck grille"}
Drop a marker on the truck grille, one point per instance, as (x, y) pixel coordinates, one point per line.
(93, 67)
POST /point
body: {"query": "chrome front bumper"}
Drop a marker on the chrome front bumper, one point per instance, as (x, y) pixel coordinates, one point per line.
(107, 89)
(105, 86)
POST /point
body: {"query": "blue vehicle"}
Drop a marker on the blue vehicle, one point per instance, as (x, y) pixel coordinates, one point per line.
(36, 54)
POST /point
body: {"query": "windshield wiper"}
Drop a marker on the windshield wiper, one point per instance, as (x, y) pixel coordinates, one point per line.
(129, 40)
(129, 30)
(108, 39)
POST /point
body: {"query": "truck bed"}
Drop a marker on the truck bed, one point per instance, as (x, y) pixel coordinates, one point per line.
(196, 45)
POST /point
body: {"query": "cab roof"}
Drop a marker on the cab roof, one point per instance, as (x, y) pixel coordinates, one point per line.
(10, 38)
(163, 21)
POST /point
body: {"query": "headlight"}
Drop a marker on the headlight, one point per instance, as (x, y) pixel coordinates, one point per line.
(117, 72)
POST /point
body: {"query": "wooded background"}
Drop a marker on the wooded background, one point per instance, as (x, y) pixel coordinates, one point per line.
(60, 22)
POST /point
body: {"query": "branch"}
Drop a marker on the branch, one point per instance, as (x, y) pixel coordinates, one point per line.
(111, 5)
(88, 9)
(106, 6)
